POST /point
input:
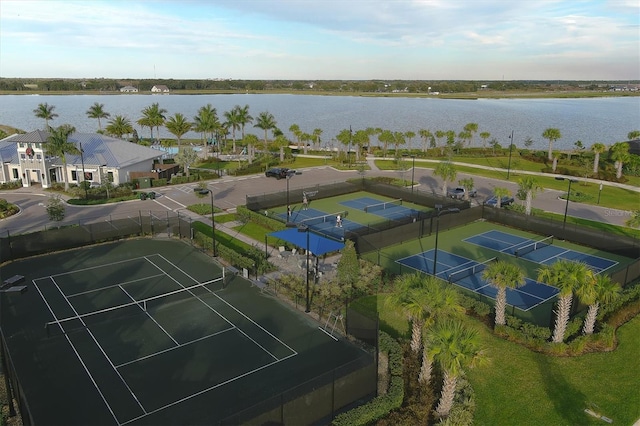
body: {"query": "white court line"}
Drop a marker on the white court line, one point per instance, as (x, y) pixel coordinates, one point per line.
(86, 369)
(234, 308)
(100, 347)
(150, 317)
(212, 309)
(99, 266)
(115, 285)
(176, 347)
(552, 257)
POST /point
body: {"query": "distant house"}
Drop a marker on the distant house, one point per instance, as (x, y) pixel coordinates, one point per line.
(160, 88)
(24, 157)
(129, 89)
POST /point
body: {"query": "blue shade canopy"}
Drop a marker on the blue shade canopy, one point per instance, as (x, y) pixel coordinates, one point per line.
(317, 245)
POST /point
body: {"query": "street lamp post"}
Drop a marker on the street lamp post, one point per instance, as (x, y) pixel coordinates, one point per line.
(413, 170)
(599, 192)
(288, 205)
(510, 150)
(439, 213)
(304, 228)
(349, 150)
(566, 207)
(213, 226)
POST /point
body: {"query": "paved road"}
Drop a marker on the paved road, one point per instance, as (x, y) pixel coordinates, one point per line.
(230, 192)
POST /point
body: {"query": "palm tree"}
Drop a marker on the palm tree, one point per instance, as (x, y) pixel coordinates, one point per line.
(233, 123)
(447, 171)
(467, 184)
(265, 121)
(597, 148)
(552, 135)
(528, 186)
(472, 129)
(433, 302)
(178, 125)
(484, 136)
(119, 126)
(555, 155)
(153, 116)
(600, 290)
(45, 111)
(244, 117)
(633, 135)
(386, 137)
(360, 139)
(281, 142)
(427, 139)
(316, 137)
(58, 145)
(503, 275)
(500, 192)
(251, 141)
(455, 348)
(567, 276)
(206, 122)
(439, 135)
(620, 154)
(410, 135)
(398, 139)
(97, 111)
(295, 129)
(403, 298)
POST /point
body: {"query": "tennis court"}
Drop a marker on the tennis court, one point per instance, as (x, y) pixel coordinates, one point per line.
(322, 222)
(152, 332)
(539, 251)
(467, 273)
(392, 209)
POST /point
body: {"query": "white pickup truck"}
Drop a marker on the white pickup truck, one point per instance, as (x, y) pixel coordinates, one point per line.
(459, 192)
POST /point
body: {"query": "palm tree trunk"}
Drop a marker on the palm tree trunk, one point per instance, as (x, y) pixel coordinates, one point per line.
(596, 160)
(416, 336)
(64, 175)
(562, 319)
(590, 319)
(527, 207)
(448, 392)
(554, 165)
(501, 303)
(425, 368)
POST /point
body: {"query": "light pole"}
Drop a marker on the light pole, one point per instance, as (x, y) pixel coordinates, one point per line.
(213, 226)
(413, 170)
(288, 205)
(566, 207)
(438, 214)
(349, 150)
(599, 192)
(510, 150)
(304, 228)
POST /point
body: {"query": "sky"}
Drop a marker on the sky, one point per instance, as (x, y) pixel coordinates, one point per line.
(322, 39)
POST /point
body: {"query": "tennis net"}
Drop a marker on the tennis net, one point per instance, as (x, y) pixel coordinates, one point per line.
(533, 246)
(383, 206)
(126, 309)
(469, 271)
(327, 218)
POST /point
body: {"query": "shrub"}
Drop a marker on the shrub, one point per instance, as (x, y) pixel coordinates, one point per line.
(381, 405)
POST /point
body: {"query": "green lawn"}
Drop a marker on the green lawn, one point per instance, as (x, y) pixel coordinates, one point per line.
(526, 388)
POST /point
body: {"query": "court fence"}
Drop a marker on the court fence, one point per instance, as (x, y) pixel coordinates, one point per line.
(320, 399)
(68, 235)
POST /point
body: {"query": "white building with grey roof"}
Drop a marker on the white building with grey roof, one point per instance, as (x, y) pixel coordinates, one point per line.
(24, 157)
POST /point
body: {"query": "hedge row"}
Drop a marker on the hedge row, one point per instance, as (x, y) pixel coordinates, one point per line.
(382, 405)
(245, 215)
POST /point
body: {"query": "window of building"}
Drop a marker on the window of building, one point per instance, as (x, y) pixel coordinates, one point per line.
(23, 156)
(15, 174)
(74, 175)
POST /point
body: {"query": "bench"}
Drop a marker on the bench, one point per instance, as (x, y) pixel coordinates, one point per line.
(16, 279)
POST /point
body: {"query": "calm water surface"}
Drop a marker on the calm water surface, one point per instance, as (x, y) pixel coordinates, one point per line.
(605, 120)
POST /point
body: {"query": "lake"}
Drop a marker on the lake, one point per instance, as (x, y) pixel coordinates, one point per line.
(590, 120)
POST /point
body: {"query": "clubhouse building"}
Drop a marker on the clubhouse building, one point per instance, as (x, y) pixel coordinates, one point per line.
(24, 157)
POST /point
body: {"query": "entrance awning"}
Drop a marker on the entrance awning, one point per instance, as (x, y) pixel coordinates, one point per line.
(317, 245)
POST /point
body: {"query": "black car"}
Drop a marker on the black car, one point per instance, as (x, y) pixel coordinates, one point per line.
(504, 201)
(279, 172)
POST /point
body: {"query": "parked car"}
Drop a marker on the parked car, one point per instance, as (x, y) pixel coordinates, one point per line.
(459, 192)
(279, 172)
(504, 201)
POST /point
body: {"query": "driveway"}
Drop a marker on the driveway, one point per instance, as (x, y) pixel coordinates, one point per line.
(230, 192)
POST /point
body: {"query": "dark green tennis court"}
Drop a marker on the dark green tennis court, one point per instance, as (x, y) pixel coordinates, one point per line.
(154, 332)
